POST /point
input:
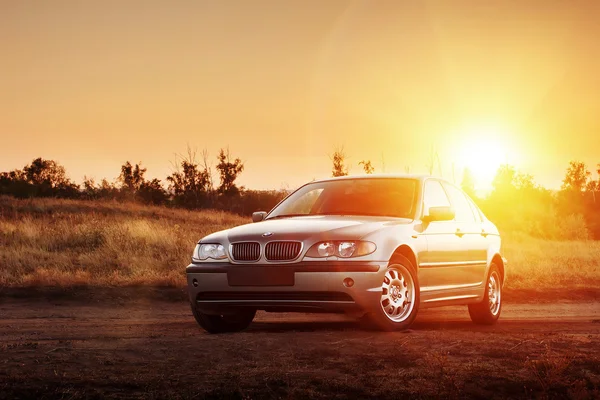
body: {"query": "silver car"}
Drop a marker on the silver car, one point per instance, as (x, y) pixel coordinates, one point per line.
(374, 246)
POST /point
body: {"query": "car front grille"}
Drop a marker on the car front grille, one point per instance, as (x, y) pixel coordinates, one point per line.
(245, 251)
(282, 251)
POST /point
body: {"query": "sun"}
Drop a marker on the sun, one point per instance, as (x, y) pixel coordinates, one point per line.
(483, 152)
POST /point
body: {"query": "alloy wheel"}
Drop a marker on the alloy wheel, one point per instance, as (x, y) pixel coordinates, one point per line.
(397, 294)
(494, 293)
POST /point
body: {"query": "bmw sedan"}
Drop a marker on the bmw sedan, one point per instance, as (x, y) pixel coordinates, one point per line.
(378, 247)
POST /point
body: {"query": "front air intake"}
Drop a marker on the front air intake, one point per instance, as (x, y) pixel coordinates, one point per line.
(245, 251)
(282, 251)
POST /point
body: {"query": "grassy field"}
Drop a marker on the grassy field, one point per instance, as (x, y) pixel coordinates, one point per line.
(50, 242)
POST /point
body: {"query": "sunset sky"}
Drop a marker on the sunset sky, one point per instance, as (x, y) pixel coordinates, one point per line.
(93, 84)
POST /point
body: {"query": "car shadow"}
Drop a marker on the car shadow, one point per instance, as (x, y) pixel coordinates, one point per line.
(357, 325)
(304, 326)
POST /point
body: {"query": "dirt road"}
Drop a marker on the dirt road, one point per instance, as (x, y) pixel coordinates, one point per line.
(154, 349)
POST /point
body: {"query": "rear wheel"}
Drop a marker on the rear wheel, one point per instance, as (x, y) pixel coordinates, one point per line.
(400, 297)
(230, 322)
(488, 311)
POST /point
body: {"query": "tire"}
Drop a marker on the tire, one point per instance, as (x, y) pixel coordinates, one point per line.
(488, 311)
(400, 297)
(234, 322)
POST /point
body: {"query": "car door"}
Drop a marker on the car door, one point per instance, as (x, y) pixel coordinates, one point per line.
(486, 241)
(469, 229)
(438, 263)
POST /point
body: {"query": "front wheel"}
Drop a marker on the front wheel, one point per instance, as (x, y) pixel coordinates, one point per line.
(400, 297)
(488, 311)
(231, 322)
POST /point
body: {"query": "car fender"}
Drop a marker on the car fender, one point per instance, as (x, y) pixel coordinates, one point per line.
(494, 253)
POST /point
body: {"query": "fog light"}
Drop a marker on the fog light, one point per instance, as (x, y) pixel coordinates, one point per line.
(195, 282)
(348, 282)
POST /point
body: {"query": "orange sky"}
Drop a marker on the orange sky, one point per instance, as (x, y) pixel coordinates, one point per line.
(93, 84)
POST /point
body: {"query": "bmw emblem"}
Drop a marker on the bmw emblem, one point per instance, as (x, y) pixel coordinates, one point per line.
(267, 234)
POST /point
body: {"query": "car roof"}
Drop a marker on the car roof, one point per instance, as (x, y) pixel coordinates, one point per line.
(419, 177)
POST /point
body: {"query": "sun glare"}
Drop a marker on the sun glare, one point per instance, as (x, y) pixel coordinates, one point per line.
(483, 153)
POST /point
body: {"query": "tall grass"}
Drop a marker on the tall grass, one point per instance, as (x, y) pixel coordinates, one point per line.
(552, 264)
(50, 242)
(70, 242)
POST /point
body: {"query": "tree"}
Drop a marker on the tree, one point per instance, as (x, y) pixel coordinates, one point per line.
(131, 177)
(468, 183)
(524, 181)
(576, 177)
(517, 203)
(508, 181)
(499, 204)
(593, 210)
(189, 179)
(504, 181)
(152, 192)
(228, 172)
(572, 194)
(15, 183)
(207, 172)
(107, 189)
(593, 186)
(89, 188)
(46, 172)
(103, 190)
(40, 178)
(367, 166)
(339, 159)
(190, 185)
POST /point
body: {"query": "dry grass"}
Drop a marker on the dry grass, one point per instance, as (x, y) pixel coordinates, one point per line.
(552, 264)
(49, 242)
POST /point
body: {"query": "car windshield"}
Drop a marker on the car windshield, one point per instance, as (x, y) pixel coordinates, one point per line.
(385, 197)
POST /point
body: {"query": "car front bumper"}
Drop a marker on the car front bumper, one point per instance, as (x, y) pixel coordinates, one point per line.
(305, 286)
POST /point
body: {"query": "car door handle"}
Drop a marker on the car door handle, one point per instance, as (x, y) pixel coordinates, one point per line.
(459, 233)
(484, 233)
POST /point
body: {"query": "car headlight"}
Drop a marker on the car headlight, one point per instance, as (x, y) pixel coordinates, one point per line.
(206, 251)
(344, 249)
(326, 249)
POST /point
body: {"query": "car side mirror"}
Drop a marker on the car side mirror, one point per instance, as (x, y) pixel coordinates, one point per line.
(440, 214)
(258, 216)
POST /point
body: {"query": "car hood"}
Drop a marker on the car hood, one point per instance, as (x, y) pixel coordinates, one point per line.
(320, 227)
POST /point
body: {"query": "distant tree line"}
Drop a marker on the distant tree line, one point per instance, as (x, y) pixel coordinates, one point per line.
(516, 203)
(189, 186)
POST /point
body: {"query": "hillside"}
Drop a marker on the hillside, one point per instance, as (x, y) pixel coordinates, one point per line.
(72, 242)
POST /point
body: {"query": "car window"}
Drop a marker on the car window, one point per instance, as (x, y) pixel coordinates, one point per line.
(306, 202)
(475, 209)
(462, 208)
(389, 197)
(434, 196)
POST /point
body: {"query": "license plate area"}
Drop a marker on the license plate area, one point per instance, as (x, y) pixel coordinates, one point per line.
(261, 276)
